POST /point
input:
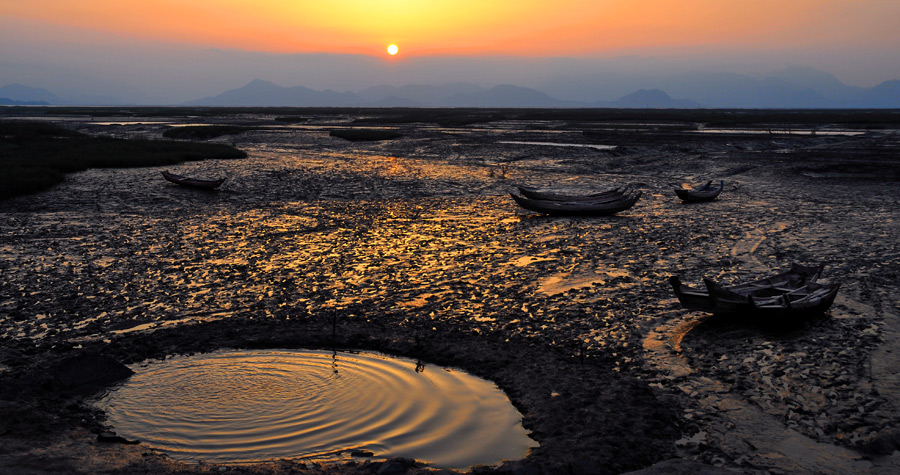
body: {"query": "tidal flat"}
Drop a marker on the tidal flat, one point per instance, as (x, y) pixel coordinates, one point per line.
(412, 246)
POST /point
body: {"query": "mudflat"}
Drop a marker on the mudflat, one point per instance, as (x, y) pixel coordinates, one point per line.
(412, 246)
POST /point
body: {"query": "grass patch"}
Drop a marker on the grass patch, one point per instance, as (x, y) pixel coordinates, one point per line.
(35, 156)
(34, 130)
(452, 116)
(205, 132)
(444, 118)
(292, 119)
(365, 135)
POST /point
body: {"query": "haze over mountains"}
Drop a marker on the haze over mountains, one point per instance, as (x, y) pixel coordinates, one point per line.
(794, 87)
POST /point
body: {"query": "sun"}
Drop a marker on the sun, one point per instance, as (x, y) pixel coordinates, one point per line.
(392, 49)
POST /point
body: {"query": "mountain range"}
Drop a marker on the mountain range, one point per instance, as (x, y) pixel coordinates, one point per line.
(17, 94)
(795, 87)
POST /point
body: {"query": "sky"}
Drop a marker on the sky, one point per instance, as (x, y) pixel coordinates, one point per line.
(153, 42)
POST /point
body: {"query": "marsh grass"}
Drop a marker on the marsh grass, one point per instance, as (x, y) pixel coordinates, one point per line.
(291, 119)
(35, 156)
(444, 118)
(365, 135)
(453, 116)
(205, 132)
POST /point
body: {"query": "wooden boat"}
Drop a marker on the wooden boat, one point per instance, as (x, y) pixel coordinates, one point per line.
(795, 277)
(600, 206)
(807, 300)
(707, 192)
(192, 182)
(794, 293)
(538, 194)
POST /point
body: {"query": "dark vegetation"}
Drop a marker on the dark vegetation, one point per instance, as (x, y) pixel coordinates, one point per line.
(869, 118)
(444, 118)
(35, 156)
(365, 135)
(291, 119)
(205, 132)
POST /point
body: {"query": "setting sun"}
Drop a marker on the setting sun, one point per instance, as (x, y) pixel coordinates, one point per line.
(392, 49)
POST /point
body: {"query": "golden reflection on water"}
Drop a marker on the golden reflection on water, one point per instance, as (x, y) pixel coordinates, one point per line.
(241, 406)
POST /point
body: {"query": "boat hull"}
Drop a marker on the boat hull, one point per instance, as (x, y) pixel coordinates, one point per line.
(537, 194)
(707, 192)
(579, 208)
(791, 295)
(192, 182)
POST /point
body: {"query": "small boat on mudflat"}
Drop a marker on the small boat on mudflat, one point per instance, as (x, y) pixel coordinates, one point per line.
(707, 192)
(192, 182)
(792, 294)
(552, 195)
(593, 207)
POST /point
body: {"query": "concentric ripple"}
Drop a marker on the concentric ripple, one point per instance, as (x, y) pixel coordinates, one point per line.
(246, 406)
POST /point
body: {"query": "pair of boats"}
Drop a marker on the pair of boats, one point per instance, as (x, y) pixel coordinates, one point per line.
(790, 295)
(192, 182)
(587, 204)
(707, 192)
(605, 202)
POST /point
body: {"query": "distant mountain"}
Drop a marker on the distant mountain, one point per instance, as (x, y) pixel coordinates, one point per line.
(506, 95)
(461, 94)
(394, 101)
(24, 94)
(652, 99)
(9, 102)
(886, 94)
(793, 87)
(779, 94)
(824, 84)
(789, 88)
(39, 96)
(417, 93)
(730, 90)
(264, 93)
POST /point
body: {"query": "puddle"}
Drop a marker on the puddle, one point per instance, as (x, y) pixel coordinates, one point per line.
(564, 282)
(133, 122)
(553, 144)
(558, 284)
(525, 261)
(236, 406)
(784, 131)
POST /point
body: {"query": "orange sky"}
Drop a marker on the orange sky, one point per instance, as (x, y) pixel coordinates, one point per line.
(475, 27)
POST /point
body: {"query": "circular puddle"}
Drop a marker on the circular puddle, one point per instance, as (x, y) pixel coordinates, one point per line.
(253, 405)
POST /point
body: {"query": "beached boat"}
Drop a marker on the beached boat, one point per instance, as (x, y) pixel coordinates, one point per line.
(707, 192)
(553, 195)
(794, 293)
(192, 182)
(595, 207)
(806, 301)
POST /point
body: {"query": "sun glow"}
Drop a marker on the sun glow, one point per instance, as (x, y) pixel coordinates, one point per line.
(461, 27)
(392, 49)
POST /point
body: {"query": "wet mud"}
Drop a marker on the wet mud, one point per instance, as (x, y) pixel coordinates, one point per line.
(412, 246)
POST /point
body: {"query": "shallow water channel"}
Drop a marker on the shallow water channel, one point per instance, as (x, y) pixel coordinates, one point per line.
(326, 406)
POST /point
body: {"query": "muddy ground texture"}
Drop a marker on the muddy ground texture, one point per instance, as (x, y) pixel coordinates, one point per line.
(413, 247)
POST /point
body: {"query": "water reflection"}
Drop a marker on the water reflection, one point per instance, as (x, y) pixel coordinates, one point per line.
(554, 144)
(239, 406)
(781, 130)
